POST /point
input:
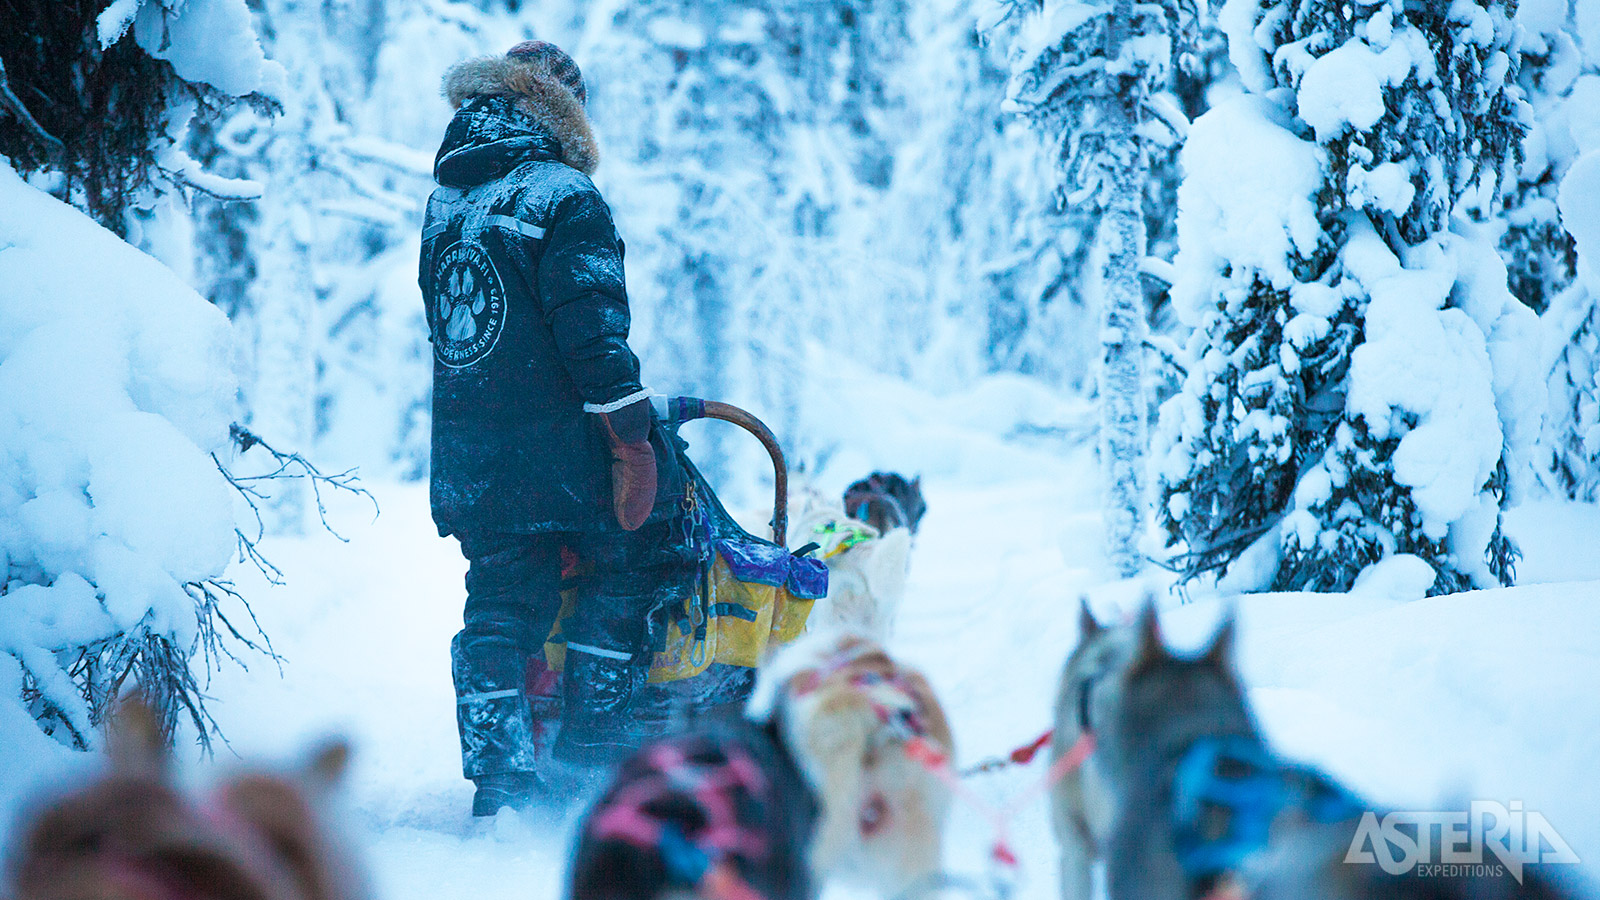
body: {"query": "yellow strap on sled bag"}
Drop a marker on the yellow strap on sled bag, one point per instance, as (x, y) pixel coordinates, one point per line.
(739, 615)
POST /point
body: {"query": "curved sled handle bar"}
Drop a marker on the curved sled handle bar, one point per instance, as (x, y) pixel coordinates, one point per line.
(684, 409)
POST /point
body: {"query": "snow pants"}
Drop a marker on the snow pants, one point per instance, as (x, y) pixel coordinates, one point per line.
(513, 598)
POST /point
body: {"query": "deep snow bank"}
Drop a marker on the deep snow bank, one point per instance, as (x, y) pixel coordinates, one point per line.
(116, 383)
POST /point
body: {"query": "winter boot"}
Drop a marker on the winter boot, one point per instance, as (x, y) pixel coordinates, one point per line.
(493, 716)
(514, 790)
(597, 698)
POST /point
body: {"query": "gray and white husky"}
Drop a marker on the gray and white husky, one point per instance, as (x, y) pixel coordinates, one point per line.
(1081, 802)
(1201, 808)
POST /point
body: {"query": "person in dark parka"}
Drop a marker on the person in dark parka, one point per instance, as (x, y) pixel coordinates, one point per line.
(543, 436)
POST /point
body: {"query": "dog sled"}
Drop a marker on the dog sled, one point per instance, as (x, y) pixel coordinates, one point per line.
(748, 594)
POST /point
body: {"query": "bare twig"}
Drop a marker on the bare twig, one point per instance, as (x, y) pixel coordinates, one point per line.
(11, 102)
(248, 549)
(208, 596)
(293, 465)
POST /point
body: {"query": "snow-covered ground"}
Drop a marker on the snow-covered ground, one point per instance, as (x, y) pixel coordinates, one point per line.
(1414, 702)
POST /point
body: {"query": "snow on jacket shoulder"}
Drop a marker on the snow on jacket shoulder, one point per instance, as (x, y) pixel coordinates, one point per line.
(522, 279)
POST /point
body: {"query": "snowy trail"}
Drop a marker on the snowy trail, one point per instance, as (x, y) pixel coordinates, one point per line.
(364, 629)
(1410, 702)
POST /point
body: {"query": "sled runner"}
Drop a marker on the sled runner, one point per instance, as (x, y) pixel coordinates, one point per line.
(748, 594)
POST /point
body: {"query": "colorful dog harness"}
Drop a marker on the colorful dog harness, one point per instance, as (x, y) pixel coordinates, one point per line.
(837, 537)
(699, 857)
(1227, 792)
(893, 702)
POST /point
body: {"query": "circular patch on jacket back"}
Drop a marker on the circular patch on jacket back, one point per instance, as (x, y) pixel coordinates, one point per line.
(469, 305)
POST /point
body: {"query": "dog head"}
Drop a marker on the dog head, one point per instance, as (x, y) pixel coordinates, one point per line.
(285, 811)
(134, 834)
(887, 500)
(1091, 680)
(725, 793)
(1164, 702)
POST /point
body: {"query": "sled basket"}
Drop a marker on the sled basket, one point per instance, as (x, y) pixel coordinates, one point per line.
(749, 594)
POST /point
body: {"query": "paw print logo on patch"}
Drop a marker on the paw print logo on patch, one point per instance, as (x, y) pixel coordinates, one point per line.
(469, 305)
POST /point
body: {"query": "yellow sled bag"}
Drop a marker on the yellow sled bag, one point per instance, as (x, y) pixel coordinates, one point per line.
(750, 595)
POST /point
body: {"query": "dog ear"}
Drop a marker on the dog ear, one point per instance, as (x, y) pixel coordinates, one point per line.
(329, 762)
(136, 742)
(1088, 626)
(1150, 649)
(1220, 653)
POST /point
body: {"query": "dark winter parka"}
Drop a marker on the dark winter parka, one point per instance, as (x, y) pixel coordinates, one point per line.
(521, 274)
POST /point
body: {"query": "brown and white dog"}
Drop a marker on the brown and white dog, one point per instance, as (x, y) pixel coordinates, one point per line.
(852, 715)
(865, 541)
(134, 834)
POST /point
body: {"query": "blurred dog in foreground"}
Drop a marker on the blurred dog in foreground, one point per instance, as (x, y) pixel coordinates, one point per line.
(1202, 807)
(134, 834)
(849, 713)
(720, 813)
(1081, 802)
(865, 540)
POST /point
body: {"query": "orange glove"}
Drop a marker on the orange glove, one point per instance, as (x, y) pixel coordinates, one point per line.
(633, 463)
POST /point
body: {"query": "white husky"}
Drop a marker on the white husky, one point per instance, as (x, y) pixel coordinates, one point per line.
(866, 570)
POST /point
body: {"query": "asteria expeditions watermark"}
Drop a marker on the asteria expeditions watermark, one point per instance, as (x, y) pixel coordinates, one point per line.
(1402, 842)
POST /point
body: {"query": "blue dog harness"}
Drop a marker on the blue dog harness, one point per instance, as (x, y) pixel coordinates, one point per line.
(1227, 792)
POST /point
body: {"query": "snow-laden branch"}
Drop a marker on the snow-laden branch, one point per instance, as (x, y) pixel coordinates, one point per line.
(191, 174)
(1159, 269)
(396, 156)
(1165, 110)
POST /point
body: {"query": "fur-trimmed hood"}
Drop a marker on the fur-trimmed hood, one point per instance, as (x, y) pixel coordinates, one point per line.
(544, 103)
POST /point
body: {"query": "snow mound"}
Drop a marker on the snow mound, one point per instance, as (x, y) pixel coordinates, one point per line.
(1246, 200)
(1344, 88)
(116, 386)
(1580, 215)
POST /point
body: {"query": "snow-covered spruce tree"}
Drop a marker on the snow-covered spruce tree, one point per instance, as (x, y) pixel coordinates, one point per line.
(100, 96)
(1560, 75)
(116, 379)
(1086, 75)
(1363, 385)
(749, 188)
(334, 347)
(1573, 437)
(683, 101)
(1539, 255)
(984, 241)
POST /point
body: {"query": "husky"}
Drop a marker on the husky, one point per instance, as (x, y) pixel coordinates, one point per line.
(864, 538)
(856, 720)
(1203, 808)
(1081, 802)
(134, 834)
(721, 812)
(886, 500)
(867, 570)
